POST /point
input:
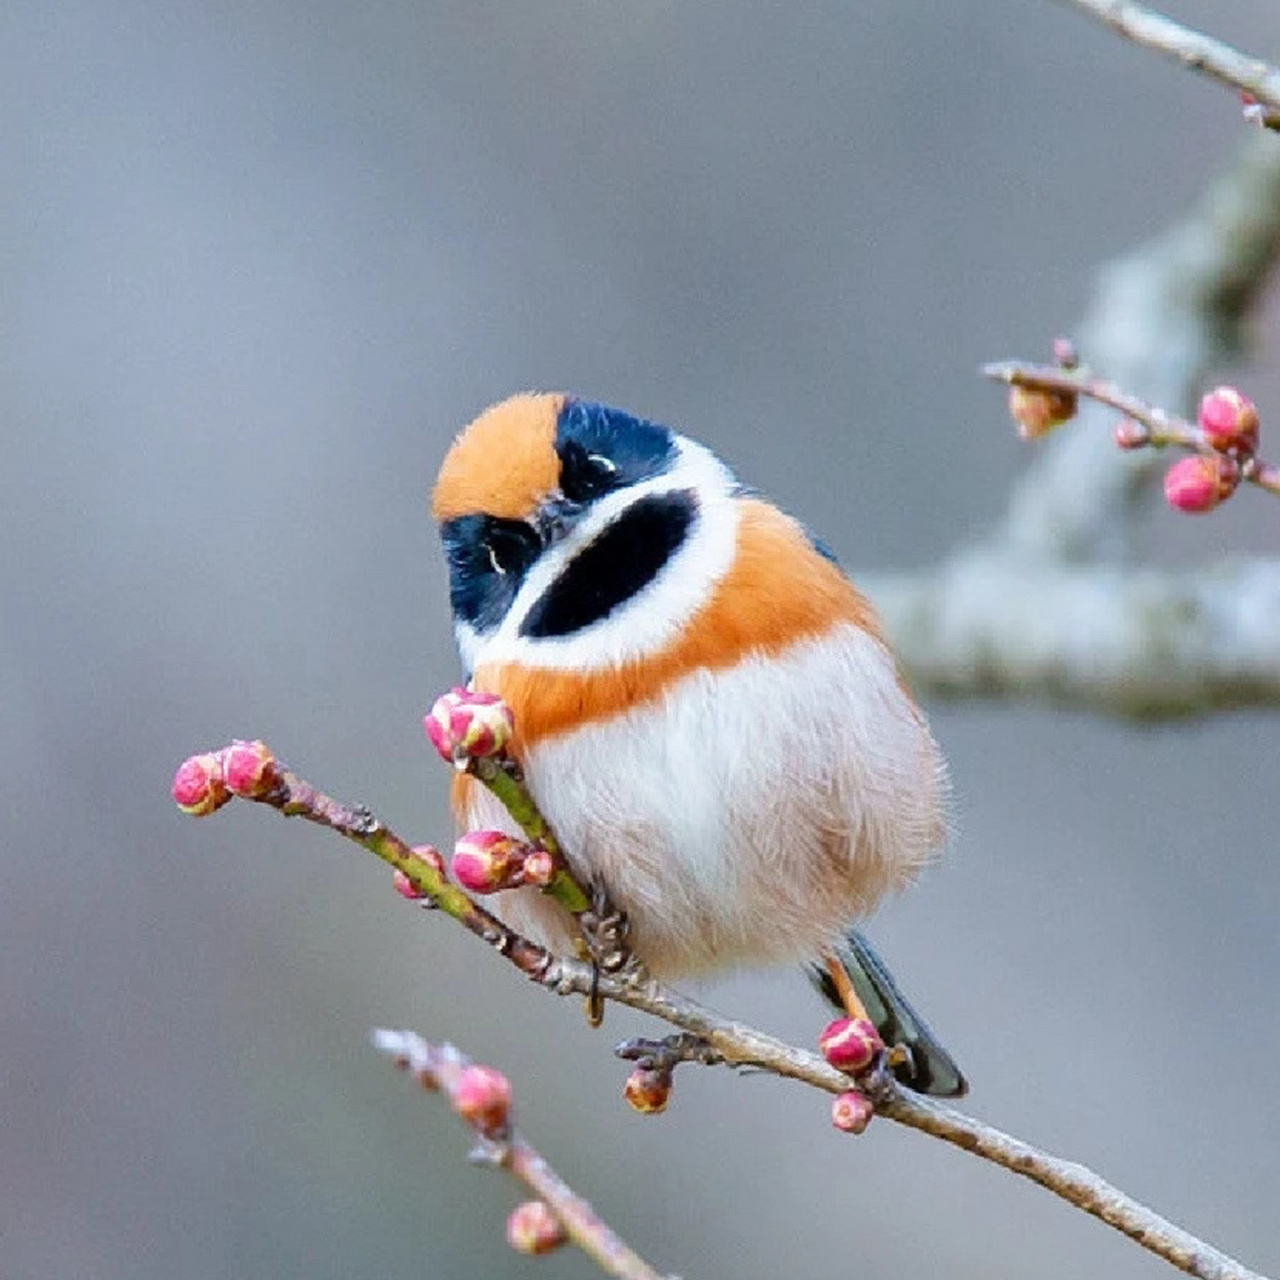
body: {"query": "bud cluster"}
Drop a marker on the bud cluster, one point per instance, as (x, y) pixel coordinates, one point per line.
(205, 782)
(851, 1045)
(490, 861)
(1229, 427)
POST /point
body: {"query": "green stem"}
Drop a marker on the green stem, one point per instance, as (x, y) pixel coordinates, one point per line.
(508, 786)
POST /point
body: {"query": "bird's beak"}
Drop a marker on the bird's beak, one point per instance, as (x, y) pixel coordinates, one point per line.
(556, 517)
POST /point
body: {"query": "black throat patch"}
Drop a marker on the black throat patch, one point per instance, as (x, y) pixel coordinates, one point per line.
(626, 556)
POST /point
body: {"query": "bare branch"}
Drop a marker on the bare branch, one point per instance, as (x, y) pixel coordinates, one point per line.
(1163, 318)
(1193, 49)
(728, 1041)
(1044, 607)
(444, 1067)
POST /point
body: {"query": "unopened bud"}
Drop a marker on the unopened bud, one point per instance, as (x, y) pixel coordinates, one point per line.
(198, 786)
(1129, 434)
(1199, 483)
(1038, 410)
(424, 853)
(1229, 420)
(1065, 355)
(850, 1044)
(648, 1090)
(482, 1097)
(533, 1228)
(851, 1112)
(465, 723)
(404, 886)
(487, 861)
(538, 868)
(249, 769)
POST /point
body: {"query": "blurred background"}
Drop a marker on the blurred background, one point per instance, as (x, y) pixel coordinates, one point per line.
(258, 262)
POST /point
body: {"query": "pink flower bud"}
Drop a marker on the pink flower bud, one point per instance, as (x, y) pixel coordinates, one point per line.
(1229, 420)
(198, 786)
(1199, 483)
(404, 886)
(1038, 411)
(249, 769)
(851, 1112)
(482, 1097)
(1065, 355)
(487, 861)
(850, 1044)
(539, 868)
(431, 856)
(533, 1228)
(648, 1090)
(465, 723)
(425, 853)
(1129, 434)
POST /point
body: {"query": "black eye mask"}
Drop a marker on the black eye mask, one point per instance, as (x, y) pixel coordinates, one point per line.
(488, 559)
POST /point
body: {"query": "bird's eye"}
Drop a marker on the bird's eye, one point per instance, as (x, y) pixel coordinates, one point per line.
(510, 546)
(585, 476)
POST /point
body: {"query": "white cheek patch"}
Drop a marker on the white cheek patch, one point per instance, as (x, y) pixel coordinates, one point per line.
(469, 642)
(653, 616)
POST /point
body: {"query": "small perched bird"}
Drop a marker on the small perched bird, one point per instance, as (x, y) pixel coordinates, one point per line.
(706, 709)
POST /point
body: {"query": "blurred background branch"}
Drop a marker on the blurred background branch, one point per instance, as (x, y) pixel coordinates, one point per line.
(1193, 49)
(1048, 604)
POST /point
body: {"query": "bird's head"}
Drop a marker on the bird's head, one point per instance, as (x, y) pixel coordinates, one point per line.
(559, 516)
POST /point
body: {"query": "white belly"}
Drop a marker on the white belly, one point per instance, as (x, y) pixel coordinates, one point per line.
(748, 816)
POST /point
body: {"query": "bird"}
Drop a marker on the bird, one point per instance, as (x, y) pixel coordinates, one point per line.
(706, 709)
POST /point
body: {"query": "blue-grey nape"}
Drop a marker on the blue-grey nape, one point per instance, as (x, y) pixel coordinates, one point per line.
(750, 491)
(633, 448)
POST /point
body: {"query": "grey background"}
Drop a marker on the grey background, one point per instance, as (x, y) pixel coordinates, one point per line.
(257, 263)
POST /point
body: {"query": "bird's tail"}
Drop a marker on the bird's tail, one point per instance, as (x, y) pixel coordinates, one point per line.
(922, 1063)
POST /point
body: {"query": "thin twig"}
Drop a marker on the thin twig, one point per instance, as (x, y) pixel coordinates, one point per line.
(442, 1067)
(736, 1043)
(1048, 604)
(1164, 317)
(1193, 49)
(295, 797)
(1163, 429)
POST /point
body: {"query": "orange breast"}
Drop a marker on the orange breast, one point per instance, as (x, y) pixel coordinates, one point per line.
(778, 591)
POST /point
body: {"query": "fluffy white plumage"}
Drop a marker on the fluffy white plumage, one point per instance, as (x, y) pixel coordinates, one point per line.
(750, 814)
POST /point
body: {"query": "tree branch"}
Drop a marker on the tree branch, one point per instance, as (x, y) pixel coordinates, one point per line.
(1193, 49)
(1163, 318)
(734, 1043)
(1043, 606)
(444, 1067)
(1142, 643)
